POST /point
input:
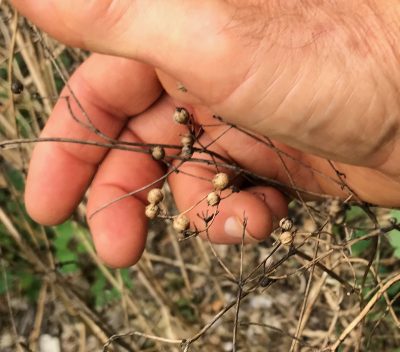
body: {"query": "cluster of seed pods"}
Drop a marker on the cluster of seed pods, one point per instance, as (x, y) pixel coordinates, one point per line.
(287, 232)
(155, 196)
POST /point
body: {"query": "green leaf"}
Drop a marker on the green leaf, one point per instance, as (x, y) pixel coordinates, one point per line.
(101, 291)
(97, 289)
(3, 73)
(394, 235)
(29, 284)
(4, 285)
(354, 212)
(394, 290)
(359, 247)
(15, 176)
(126, 278)
(63, 247)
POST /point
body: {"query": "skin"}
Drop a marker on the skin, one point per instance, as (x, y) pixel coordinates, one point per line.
(320, 78)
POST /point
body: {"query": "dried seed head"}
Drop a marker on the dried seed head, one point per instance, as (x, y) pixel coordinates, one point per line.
(158, 153)
(181, 223)
(152, 210)
(213, 199)
(286, 238)
(16, 86)
(187, 152)
(286, 224)
(155, 196)
(181, 116)
(220, 181)
(187, 139)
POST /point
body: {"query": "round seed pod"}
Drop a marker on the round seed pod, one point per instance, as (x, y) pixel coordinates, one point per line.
(220, 181)
(286, 238)
(152, 210)
(155, 196)
(181, 116)
(187, 139)
(158, 153)
(213, 199)
(187, 152)
(286, 224)
(181, 223)
(16, 86)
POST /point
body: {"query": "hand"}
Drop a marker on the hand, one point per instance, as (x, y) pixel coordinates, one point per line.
(316, 79)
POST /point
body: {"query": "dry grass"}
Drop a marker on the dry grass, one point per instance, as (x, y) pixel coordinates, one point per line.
(334, 288)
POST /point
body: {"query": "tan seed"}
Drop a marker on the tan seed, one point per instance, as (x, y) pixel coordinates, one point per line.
(155, 196)
(158, 153)
(187, 139)
(286, 224)
(152, 210)
(181, 116)
(220, 181)
(213, 199)
(181, 223)
(286, 238)
(187, 152)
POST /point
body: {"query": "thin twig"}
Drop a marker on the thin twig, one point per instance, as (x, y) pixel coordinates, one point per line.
(137, 333)
(391, 281)
(240, 287)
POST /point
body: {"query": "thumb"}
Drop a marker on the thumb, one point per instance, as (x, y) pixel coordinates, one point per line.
(175, 36)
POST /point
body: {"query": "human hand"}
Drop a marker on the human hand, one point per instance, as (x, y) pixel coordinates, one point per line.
(305, 77)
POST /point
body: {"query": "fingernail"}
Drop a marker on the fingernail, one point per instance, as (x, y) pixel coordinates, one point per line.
(234, 227)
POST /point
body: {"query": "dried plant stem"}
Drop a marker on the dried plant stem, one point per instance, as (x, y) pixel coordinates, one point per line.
(220, 261)
(13, 143)
(176, 263)
(391, 281)
(10, 72)
(240, 288)
(130, 194)
(181, 262)
(194, 338)
(263, 139)
(8, 300)
(280, 331)
(35, 333)
(330, 272)
(295, 345)
(140, 334)
(133, 306)
(28, 53)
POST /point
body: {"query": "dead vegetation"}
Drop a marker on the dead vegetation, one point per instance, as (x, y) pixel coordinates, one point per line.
(329, 283)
